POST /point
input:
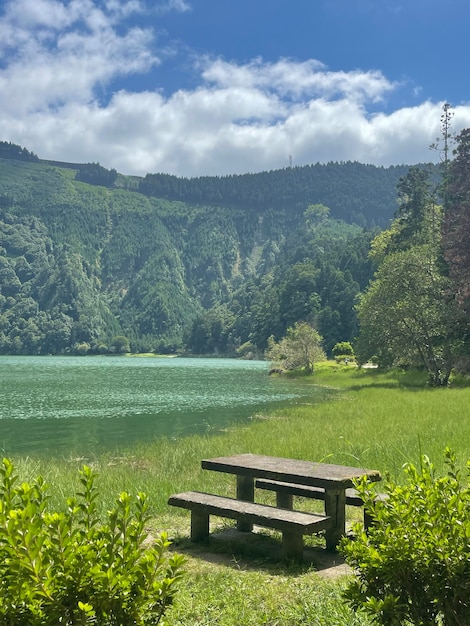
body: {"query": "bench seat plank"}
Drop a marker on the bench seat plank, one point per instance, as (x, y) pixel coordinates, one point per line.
(292, 524)
(285, 492)
(317, 493)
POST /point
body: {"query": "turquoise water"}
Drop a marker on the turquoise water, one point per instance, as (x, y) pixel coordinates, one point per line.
(66, 406)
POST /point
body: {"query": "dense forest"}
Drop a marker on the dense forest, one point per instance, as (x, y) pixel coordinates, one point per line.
(355, 193)
(94, 261)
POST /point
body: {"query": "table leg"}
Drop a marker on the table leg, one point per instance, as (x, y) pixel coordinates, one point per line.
(292, 546)
(245, 492)
(284, 500)
(199, 526)
(335, 507)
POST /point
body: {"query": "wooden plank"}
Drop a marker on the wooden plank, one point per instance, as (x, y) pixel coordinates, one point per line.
(285, 493)
(199, 525)
(324, 475)
(316, 493)
(335, 508)
(292, 524)
(246, 492)
(261, 514)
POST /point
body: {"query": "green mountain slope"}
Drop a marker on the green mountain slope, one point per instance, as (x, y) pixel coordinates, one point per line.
(356, 193)
(240, 260)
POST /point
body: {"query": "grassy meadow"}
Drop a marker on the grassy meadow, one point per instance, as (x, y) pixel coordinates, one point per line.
(375, 420)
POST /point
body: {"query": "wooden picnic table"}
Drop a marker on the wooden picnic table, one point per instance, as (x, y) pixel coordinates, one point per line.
(334, 479)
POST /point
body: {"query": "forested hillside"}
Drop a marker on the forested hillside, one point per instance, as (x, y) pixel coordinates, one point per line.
(94, 261)
(356, 193)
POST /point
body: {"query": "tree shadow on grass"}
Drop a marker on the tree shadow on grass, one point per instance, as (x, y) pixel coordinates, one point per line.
(386, 385)
(261, 550)
(409, 380)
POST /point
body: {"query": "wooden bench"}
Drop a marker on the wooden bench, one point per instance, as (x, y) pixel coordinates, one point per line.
(285, 493)
(293, 524)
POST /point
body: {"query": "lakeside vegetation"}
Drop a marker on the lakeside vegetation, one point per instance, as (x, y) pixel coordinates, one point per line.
(376, 419)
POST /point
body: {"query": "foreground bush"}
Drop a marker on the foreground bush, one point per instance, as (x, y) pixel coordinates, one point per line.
(414, 565)
(70, 568)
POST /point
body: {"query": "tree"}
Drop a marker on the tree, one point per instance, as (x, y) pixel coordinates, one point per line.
(446, 117)
(96, 174)
(298, 297)
(299, 349)
(406, 316)
(120, 344)
(456, 227)
(316, 214)
(417, 216)
(210, 332)
(444, 142)
(343, 348)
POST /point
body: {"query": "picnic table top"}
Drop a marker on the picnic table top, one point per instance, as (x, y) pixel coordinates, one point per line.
(311, 473)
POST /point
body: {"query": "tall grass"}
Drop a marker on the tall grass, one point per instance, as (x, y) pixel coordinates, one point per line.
(380, 421)
(375, 420)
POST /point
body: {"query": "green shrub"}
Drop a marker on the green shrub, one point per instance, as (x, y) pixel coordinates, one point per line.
(69, 567)
(120, 344)
(343, 349)
(414, 565)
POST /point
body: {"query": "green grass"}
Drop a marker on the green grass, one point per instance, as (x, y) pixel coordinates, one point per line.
(375, 420)
(234, 596)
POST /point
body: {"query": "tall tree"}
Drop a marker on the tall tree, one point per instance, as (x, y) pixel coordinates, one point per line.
(456, 227)
(406, 317)
(415, 216)
(444, 141)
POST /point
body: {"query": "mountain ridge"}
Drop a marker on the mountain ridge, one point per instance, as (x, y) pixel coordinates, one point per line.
(83, 263)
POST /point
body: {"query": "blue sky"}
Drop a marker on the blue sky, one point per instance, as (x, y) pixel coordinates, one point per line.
(204, 87)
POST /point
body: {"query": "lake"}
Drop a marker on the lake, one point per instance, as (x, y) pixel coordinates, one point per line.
(64, 406)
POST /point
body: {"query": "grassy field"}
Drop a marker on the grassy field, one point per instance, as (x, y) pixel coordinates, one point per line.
(373, 420)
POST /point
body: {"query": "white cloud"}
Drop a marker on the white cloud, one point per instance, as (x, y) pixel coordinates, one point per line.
(173, 5)
(298, 79)
(30, 14)
(124, 9)
(65, 53)
(57, 58)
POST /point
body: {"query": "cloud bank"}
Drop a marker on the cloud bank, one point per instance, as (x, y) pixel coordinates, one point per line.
(64, 68)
